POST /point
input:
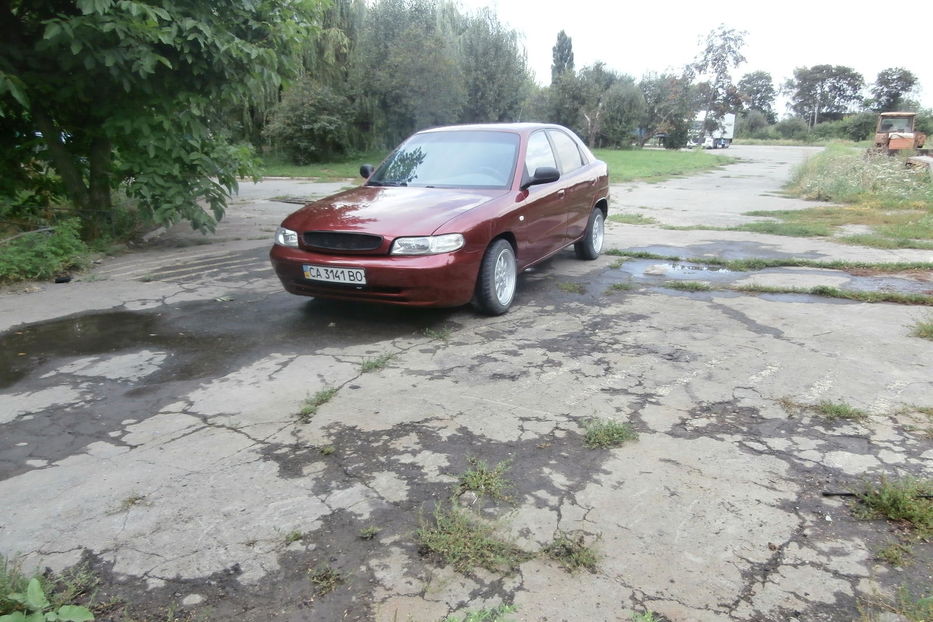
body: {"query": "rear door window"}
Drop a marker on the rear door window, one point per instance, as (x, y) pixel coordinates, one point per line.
(567, 151)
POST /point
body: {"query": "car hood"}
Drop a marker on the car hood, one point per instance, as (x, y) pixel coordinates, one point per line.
(388, 211)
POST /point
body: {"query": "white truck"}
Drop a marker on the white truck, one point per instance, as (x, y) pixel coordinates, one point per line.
(720, 138)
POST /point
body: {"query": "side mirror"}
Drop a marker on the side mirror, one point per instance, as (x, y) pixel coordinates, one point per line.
(543, 175)
(366, 171)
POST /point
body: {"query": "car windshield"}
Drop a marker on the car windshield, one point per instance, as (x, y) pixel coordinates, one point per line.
(895, 124)
(451, 159)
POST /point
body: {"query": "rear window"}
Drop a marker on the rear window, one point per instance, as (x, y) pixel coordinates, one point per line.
(451, 159)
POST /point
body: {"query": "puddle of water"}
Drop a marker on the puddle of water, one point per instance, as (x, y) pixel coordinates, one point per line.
(652, 269)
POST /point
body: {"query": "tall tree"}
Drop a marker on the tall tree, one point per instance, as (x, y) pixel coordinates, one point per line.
(139, 92)
(494, 70)
(670, 106)
(721, 52)
(562, 56)
(824, 92)
(892, 86)
(756, 90)
(610, 106)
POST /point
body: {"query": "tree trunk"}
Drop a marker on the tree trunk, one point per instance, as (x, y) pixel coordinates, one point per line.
(64, 164)
(98, 212)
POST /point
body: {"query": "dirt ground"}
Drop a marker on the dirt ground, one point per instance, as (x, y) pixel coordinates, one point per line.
(152, 428)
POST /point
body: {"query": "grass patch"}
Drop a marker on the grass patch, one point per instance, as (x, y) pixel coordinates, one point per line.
(795, 230)
(336, 170)
(483, 480)
(688, 286)
(311, 404)
(632, 219)
(327, 450)
(894, 554)
(604, 433)
(496, 614)
(907, 501)
(656, 164)
(845, 294)
(646, 616)
(877, 241)
(43, 254)
(463, 541)
(375, 364)
(620, 287)
(325, 579)
(840, 410)
(924, 328)
(293, 536)
(441, 334)
(572, 288)
(52, 596)
(368, 533)
(754, 263)
(571, 552)
(905, 605)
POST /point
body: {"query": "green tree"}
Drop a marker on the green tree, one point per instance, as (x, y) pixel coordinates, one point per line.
(756, 91)
(138, 93)
(670, 106)
(824, 92)
(311, 123)
(721, 53)
(494, 70)
(610, 106)
(562, 55)
(891, 88)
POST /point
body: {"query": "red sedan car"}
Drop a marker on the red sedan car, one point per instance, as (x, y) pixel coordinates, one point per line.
(451, 216)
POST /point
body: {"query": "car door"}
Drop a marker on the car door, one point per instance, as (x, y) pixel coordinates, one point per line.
(576, 183)
(542, 216)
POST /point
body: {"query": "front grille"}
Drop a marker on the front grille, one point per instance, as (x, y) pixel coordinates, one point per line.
(336, 241)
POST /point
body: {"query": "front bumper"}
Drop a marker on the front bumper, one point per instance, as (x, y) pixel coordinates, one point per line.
(444, 280)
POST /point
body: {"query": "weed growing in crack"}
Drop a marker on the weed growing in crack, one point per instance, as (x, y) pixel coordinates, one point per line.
(375, 364)
(924, 328)
(571, 552)
(440, 334)
(496, 614)
(620, 287)
(688, 286)
(368, 533)
(293, 536)
(327, 450)
(618, 263)
(311, 404)
(647, 616)
(907, 501)
(840, 410)
(572, 288)
(325, 579)
(604, 433)
(464, 541)
(483, 480)
(633, 219)
(44, 597)
(128, 503)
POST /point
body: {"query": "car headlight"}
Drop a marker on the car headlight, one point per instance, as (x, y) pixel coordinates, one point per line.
(286, 237)
(428, 245)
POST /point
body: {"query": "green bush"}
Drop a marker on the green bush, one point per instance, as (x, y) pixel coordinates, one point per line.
(42, 254)
(794, 128)
(311, 123)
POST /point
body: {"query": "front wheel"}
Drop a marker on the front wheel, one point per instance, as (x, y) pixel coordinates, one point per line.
(495, 285)
(592, 243)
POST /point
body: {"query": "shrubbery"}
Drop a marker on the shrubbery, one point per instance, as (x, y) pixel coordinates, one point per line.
(42, 254)
(311, 123)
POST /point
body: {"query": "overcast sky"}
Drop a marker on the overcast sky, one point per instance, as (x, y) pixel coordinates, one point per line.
(637, 37)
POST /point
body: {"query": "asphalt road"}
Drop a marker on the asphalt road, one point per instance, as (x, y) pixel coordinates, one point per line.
(151, 430)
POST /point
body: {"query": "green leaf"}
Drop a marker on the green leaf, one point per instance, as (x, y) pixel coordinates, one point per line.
(35, 596)
(16, 616)
(74, 613)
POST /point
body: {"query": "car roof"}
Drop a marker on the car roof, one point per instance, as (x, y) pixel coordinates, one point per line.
(519, 128)
(898, 114)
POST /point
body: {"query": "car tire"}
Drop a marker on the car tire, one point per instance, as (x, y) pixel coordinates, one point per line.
(497, 280)
(591, 245)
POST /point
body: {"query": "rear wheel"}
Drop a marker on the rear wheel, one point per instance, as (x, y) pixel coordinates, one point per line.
(495, 286)
(592, 243)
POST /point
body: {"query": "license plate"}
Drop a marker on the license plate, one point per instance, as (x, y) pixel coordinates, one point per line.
(330, 274)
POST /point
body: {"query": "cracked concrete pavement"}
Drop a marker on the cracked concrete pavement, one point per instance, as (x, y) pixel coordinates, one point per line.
(150, 429)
